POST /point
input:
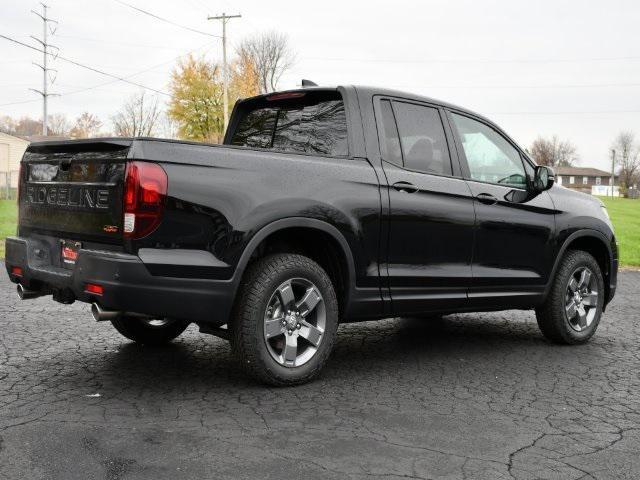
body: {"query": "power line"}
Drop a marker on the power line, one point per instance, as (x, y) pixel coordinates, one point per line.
(18, 103)
(162, 19)
(138, 72)
(525, 87)
(473, 60)
(596, 112)
(125, 44)
(84, 89)
(78, 64)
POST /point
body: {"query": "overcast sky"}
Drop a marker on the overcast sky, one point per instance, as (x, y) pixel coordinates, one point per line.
(565, 67)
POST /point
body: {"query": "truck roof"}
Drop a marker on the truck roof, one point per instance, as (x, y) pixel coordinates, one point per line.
(371, 91)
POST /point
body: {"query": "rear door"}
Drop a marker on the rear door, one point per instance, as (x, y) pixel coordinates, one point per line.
(514, 227)
(73, 190)
(431, 215)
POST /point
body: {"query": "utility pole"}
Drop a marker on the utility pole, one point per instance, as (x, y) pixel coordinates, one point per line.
(45, 69)
(225, 77)
(613, 167)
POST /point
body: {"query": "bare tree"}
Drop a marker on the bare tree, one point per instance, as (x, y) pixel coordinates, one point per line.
(7, 125)
(271, 56)
(25, 126)
(87, 125)
(628, 158)
(554, 152)
(169, 128)
(59, 125)
(138, 117)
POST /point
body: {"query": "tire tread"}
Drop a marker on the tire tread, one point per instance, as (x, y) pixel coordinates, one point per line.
(244, 340)
(550, 315)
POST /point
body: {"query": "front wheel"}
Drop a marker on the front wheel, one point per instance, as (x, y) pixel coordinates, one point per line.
(571, 313)
(285, 320)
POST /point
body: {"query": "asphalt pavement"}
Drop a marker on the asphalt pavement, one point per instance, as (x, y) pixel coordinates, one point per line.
(476, 396)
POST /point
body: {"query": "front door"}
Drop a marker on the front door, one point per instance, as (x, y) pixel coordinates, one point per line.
(514, 227)
(431, 217)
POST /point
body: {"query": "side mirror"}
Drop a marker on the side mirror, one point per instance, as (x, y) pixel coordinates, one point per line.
(543, 178)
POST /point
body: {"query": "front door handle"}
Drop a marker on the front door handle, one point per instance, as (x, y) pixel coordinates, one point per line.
(405, 187)
(486, 198)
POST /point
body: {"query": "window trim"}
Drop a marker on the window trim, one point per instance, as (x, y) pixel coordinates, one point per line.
(448, 135)
(464, 164)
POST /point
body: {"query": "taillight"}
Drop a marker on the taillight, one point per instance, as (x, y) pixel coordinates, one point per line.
(145, 191)
(20, 172)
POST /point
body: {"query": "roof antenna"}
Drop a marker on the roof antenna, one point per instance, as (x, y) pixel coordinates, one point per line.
(308, 83)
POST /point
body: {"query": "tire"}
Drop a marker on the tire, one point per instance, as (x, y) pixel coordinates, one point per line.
(560, 317)
(293, 352)
(149, 332)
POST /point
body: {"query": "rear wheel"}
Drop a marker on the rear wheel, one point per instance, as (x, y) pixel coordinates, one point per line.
(149, 331)
(285, 320)
(572, 310)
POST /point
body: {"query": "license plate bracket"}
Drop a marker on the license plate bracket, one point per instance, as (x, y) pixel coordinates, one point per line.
(69, 250)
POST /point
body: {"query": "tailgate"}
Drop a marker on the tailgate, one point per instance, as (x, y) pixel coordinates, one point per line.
(74, 189)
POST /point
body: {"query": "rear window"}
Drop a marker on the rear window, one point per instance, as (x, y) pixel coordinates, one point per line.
(306, 122)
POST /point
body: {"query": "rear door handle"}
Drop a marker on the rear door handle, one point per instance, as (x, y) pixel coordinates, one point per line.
(486, 198)
(405, 187)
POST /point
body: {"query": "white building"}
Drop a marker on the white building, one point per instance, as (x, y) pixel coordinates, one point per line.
(11, 151)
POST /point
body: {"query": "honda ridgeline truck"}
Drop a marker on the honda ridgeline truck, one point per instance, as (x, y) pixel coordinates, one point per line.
(323, 205)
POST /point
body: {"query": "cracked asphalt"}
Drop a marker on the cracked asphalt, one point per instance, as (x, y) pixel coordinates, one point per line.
(477, 396)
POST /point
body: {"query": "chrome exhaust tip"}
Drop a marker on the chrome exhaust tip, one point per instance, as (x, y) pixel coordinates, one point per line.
(26, 294)
(101, 315)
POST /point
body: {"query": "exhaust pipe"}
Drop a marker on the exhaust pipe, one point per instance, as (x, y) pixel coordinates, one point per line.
(101, 315)
(26, 294)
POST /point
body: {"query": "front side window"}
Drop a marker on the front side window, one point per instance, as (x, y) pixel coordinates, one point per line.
(585, 180)
(572, 179)
(313, 122)
(491, 158)
(422, 138)
(598, 181)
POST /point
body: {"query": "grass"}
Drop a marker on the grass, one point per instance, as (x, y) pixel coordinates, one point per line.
(625, 215)
(8, 220)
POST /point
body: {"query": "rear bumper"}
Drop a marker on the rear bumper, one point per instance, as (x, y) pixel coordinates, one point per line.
(128, 285)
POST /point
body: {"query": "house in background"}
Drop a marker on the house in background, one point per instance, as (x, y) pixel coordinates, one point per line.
(587, 180)
(11, 150)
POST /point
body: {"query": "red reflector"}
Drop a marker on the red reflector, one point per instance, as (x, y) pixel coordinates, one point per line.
(93, 288)
(285, 96)
(17, 271)
(69, 254)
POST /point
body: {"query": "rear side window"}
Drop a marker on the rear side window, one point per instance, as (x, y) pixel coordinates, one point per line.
(313, 122)
(389, 139)
(422, 138)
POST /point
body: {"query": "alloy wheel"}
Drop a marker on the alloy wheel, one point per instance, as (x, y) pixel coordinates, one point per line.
(294, 322)
(581, 299)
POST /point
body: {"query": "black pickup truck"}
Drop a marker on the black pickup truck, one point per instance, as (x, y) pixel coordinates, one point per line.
(324, 205)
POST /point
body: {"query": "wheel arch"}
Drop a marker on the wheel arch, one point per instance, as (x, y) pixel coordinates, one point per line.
(594, 243)
(275, 234)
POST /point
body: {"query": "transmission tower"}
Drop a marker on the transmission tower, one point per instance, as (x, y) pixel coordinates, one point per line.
(47, 24)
